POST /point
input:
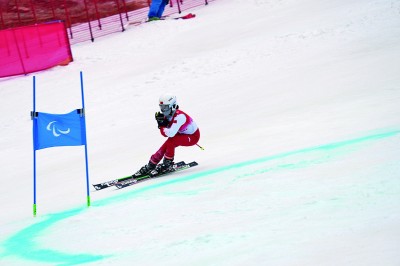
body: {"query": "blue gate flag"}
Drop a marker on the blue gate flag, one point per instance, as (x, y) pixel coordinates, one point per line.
(53, 130)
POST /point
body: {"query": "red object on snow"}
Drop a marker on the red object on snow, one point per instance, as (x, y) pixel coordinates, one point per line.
(190, 15)
(33, 48)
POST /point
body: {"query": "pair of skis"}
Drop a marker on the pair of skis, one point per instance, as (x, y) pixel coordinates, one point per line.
(131, 180)
(136, 23)
(187, 16)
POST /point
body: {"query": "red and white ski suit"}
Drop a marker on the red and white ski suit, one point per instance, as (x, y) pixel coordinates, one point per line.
(181, 131)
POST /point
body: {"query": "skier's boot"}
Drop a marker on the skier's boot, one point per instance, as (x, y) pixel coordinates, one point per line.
(153, 19)
(145, 170)
(165, 167)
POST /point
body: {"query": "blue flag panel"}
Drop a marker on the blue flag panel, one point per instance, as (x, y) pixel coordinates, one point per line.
(53, 130)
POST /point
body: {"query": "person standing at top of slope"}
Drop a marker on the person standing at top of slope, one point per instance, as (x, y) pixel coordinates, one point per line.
(178, 127)
(157, 9)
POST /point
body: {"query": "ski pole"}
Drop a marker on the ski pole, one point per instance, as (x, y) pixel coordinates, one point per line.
(200, 147)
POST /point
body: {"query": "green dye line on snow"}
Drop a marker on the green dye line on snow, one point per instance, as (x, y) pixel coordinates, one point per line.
(23, 246)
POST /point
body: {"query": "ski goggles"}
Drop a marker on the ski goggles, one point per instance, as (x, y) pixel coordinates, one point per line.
(164, 108)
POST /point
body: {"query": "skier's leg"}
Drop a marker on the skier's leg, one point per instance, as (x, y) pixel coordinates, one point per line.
(167, 151)
(157, 157)
(161, 8)
(191, 139)
(154, 160)
(180, 140)
(170, 146)
(168, 162)
(154, 7)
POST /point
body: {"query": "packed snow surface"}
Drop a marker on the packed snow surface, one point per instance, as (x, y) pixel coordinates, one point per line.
(298, 104)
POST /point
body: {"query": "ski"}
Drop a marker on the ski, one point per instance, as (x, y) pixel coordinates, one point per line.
(139, 22)
(111, 183)
(187, 16)
(134, 23)
(131, 181)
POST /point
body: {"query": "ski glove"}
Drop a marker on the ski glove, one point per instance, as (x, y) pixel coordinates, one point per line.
(162, 121)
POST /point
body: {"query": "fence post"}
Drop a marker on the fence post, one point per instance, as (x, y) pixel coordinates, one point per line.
(39, 36)
(1, 19)
(179, 6)
(68, 20)
(19, 52)
(19, 16)
(120, 17)
(88, 20)
(25, 47)
(7, 44)
(33, 11)
(97, 13)
(52, 9)
(126, 9)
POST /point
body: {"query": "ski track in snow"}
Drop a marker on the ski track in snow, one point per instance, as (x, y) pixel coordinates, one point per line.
(298, 106)
(23, 244)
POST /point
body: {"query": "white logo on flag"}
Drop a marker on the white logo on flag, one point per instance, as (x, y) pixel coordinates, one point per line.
(56, 131)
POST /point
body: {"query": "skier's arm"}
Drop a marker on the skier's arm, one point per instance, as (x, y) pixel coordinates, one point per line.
(178, 121)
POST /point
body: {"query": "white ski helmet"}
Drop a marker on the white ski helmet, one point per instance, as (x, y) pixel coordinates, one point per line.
(168, 104)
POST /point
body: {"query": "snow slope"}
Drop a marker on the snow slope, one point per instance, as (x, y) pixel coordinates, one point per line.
(298, 103)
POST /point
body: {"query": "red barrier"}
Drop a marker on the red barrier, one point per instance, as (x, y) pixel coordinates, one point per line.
(33, 48)
(85, 19)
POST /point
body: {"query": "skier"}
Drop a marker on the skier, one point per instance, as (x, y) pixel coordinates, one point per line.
(157, 9)
(178, 127)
